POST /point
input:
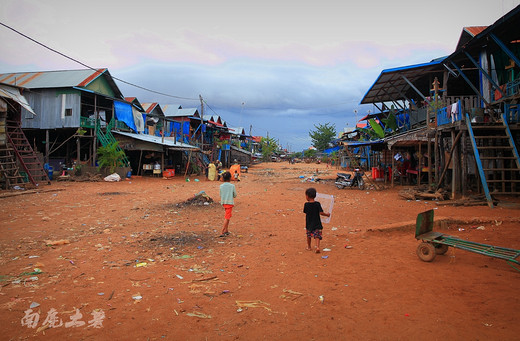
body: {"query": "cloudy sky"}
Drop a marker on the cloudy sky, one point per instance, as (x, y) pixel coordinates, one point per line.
(275, 67)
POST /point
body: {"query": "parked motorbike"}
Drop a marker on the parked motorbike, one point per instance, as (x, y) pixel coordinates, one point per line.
(347, 180)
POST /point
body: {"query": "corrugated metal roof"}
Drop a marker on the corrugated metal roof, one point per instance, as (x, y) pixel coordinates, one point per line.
(14, 94)
(51, 79)
(474, 30)
(168, 141)
(148, 107)
(188, 112)
(170, 110)
(391, 86)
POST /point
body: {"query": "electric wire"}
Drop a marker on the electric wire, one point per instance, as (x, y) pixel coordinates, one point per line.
(91, 68)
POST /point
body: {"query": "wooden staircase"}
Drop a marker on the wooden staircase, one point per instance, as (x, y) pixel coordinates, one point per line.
(497, 158)
(9, 171)
(25, 154)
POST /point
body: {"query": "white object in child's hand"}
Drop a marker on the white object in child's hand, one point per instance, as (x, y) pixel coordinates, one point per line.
(327, 203)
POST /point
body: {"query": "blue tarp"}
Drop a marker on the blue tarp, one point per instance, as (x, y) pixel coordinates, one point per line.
(186, 128)
(332, 150)
(177, 128)
(124, 114)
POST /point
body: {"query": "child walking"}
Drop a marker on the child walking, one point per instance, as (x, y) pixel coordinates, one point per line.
(313, 210)
(227, 194)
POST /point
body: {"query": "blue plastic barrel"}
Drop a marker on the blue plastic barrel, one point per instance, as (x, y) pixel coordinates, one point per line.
(50, 171)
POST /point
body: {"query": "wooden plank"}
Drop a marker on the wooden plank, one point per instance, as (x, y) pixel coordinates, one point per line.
(447, 163)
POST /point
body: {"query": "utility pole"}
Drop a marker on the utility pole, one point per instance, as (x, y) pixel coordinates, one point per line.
(201, 123)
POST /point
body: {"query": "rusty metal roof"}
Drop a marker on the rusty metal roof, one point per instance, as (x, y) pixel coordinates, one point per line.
(474, 30)
(51, 79)
(58, 79)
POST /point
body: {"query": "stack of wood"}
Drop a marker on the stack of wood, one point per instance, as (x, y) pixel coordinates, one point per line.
(476, 200)
(423, 193)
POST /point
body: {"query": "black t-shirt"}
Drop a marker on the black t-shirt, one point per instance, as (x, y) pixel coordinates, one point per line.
(312, 218)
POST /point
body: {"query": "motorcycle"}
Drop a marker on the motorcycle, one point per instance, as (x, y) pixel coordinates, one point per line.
(347, 180)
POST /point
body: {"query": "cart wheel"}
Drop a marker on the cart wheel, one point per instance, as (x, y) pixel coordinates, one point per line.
(441, 249)
(426, 252)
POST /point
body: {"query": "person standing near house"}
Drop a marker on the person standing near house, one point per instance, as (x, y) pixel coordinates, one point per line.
(235, 170)
(228, 193)
(212, 171)
(218, 164)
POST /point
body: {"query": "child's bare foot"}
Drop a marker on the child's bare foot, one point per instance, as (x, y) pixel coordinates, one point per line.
(308, 249)
(317, 250)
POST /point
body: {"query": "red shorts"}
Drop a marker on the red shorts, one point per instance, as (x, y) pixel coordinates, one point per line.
(229, 209)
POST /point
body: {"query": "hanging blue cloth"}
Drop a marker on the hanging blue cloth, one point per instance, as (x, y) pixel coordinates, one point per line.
(124, 114)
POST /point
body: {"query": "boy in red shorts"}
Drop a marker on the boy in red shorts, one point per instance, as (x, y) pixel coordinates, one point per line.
(313, 210)
(227, 194)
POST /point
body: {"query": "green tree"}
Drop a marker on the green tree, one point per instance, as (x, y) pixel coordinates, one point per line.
(268, 146)
(109, 156)
(309, 153)
(322, 136)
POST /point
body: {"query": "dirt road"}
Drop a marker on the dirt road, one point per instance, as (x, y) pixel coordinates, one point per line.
(140, 267)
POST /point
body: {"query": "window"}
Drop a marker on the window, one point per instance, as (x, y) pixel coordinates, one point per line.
(68, 112)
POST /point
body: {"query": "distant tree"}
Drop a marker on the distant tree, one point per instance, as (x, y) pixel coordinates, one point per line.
(268, 146)
(322, 136)
(309, 153)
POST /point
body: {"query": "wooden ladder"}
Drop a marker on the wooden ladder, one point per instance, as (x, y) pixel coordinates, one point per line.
(25, 154)
(497, 158)
(9, 171)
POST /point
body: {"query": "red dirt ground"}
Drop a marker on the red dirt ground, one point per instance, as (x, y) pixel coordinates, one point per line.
(194, 284)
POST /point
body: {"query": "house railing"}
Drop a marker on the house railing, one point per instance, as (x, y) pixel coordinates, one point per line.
(449, 114)
(513, 88)
(87, 122)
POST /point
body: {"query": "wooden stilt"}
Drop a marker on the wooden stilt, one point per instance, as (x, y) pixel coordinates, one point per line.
(429, 165)
(393, 168)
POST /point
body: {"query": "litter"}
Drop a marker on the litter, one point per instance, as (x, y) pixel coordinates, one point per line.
(253, 304)
(197, 314)
(324, 257)
(137, 297)
(57, 242)
(112, 177)
(138, 265)
(327, 250)
(34, 305)
(179, 277)
(321, 298)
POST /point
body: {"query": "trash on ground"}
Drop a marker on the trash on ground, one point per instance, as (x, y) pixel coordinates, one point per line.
(199, 315)
(112, 177)
(57, 242)
(253, 304)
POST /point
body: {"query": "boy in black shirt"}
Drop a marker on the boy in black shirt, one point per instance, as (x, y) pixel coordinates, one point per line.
(313, 210)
